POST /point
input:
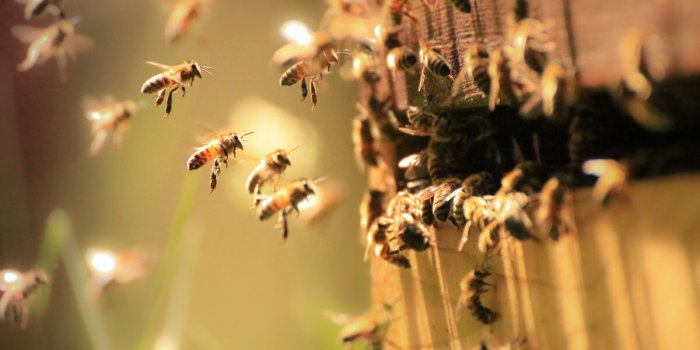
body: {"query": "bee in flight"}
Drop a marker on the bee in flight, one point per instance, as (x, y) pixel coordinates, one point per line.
(173, 78)
(370, 327)
(313, 69)
(107, 116)
(218, 149)
(433, 62)
(180, 19)
(269, 168)
(35, 8)
(285, 200)
(17, 290)
(58, 41)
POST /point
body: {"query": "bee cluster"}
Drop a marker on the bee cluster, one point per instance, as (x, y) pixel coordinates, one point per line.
(459, 94)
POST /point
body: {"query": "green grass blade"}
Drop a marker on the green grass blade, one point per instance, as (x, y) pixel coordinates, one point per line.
(169, 262)
(52, 245)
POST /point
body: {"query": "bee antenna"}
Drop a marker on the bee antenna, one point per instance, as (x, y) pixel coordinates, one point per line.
(319, 179)
(293, 149)
(246, 134)
(344, 51)
(206, 69)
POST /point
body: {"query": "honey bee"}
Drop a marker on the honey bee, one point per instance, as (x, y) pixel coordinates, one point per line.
(555, 212)
(107, 117)
(180, 19)
(531, 44)
(381, 237)
(422, 122)
(478, 184)
(476, 66)
(463, 5)
(313, 69)
(398, 9)
(173, 78)
(286, 200)
(414, 234)
(58, 41)
(556, 90)
(371, 208)
(495, 68)
(364, 142)
(218, 149)
(478, 212)
(35, 8)
(401, 58)
(270, 167)
(416, 172)
(433, 62)
(524, 177)
(18, 290)
(370, 328)
(110, 268)
(472, 286)
(612, 179)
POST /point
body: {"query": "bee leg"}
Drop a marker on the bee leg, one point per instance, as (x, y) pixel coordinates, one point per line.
(314, 98)
(183, 89)
(169, 103)
(215, 171)
(160, 98)
(285, 227)
(304, 89)
(422, 78)
(225, 152)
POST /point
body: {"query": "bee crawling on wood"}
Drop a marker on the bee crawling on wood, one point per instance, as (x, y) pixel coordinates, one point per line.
(107, 117)
(35, 8)
(270, 168)
(381, 237)
(58, 41)
(18, 290)
(555, 212)
(433, 62)
(473, 285)
(173, 78)
(218, 149)
(286, 200)
(612, 179)
(370, 328)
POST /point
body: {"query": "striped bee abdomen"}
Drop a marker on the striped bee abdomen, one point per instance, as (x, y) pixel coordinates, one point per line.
(156, 83)
(292, 75)
(404, 58)
(198, 159)
(267, 209)
(437, 65)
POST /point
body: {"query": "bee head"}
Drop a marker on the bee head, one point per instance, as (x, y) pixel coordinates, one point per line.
(194, 66)
(281, 157)
(308, 188)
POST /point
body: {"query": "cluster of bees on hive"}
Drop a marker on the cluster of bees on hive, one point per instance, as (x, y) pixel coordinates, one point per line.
(530, 201)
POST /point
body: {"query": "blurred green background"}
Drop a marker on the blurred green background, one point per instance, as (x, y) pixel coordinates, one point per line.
(247, 289)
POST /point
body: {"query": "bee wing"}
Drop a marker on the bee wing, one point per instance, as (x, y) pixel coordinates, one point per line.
(414, 132)
(292, 53)
(98, 142)
(76, 44)
(159, 65)
(26, 34)
(339, 318)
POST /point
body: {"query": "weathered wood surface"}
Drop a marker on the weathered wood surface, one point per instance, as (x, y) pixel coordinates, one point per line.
(630, 279)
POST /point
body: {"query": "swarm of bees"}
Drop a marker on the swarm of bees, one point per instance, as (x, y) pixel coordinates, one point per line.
(18, 291)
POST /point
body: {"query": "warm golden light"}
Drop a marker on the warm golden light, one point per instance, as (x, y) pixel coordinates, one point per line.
(297, 32)
(102, 261)
(391, 61)
(10, 277)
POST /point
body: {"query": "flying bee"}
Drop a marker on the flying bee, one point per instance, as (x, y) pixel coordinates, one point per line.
(313, 69)
(180, 19)
(612, 179)
(364, 66)
(173, 78)
(110, 268)
(472, 286)
(398, 57)
(476, 66)
(270, 167)
(18, 290)
(286, 200)
(35, 8)
(107, 117)
(218, 149)
(433, 62)
(478, 184)
(422, 122)
(556, 90)
(370, 328)
(364, 142)
(58, 41)
(304, 45)
(555, 212)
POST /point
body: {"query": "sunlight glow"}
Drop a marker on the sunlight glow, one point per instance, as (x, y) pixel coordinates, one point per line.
(102, 261)
(297, 32)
